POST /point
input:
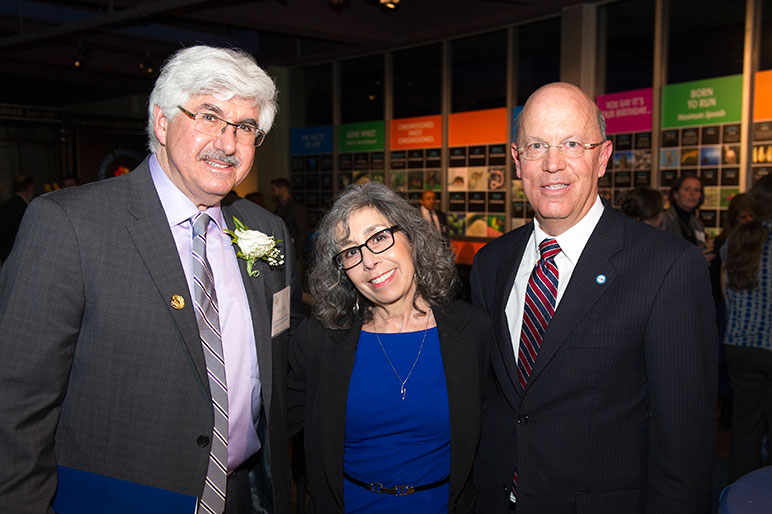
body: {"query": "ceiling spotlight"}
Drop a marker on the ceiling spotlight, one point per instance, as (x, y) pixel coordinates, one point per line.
(80, 56)
(391, 4)
(147, 64)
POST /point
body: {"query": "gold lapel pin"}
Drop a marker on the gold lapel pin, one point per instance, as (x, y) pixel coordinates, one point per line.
(178, 302)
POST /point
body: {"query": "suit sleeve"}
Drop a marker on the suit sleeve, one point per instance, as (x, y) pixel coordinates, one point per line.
(41, 306)
(297, 378)
(292, 278)
(681, 348)
(478, 298)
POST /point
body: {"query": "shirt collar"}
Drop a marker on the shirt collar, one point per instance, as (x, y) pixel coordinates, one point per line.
(178, 207)
(573, 240)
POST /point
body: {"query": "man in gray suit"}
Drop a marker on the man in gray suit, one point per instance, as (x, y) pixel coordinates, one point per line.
(110, 332)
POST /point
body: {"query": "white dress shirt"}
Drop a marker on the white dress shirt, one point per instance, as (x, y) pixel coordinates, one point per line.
(572, 243)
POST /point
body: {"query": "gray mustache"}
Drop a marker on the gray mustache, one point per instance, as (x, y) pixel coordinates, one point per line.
(217, 155)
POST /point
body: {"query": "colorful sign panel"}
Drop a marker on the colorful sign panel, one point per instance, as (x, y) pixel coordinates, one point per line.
(361, 137)
(311, 140)
(702, 102)
(477, 127)
(628, 111)
(515, 112)
(762, 99)
(419, 132)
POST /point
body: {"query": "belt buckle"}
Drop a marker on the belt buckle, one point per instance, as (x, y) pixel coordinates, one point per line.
(402, 490)
(376, 487)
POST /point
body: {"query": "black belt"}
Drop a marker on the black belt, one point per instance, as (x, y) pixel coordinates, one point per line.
(397, 490)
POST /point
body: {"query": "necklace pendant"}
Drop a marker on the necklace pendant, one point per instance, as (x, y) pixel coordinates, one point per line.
(403, 391)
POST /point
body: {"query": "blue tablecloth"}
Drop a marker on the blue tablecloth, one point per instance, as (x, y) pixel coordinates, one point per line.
(751, 494)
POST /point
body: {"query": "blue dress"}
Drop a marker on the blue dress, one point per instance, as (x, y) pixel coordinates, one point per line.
(394, 441)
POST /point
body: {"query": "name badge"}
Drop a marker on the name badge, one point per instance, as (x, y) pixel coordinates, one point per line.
(280, 314)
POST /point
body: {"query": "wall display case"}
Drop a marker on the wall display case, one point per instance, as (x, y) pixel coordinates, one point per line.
(701, 136)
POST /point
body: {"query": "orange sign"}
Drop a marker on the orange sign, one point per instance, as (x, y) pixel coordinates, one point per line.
(466, 250)
(478, 127)
(762, 96)
(421, 132)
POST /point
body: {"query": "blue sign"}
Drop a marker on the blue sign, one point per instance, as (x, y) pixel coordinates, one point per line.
(311, 140)
(515, 111)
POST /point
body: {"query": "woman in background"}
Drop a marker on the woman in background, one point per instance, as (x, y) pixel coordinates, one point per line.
(686, 195)
(748, 338)
(386, 378)
(644, 204)
(739, 211)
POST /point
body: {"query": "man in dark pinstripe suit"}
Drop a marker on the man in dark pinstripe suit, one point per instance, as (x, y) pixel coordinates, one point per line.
(615, 412)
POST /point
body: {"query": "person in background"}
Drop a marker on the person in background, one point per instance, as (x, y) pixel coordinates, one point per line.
(686, 196)
(256, 197)
(386, 377)
(70, 181)
(143, 349)
(748, 339)
(739, 212)
(12, 212)
(436, 218)
(292, 212)
(644, 204)
(604, 347)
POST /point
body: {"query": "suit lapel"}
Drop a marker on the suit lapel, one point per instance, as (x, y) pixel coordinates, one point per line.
(149, 230)
(258, 308)
(584, 289)
(505, 281)
(337, 367)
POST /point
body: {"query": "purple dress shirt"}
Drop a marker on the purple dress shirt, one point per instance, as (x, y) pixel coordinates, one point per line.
(238, 337)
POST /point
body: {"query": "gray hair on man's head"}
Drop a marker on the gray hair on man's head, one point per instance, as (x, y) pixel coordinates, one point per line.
(337, 302)
(224, 73)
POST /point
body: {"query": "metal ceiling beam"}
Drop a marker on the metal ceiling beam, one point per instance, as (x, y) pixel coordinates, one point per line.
(133, 13)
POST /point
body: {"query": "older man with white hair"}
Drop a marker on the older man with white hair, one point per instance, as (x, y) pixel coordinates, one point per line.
(144, 336)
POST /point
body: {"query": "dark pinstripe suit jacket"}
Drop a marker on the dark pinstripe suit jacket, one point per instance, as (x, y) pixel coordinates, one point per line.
(99, 372)
(618, 413)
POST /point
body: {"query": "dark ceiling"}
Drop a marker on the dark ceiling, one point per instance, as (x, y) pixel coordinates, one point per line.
(40, 39)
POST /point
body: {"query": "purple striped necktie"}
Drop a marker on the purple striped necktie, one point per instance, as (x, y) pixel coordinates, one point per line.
(208, 318)
(540, 296)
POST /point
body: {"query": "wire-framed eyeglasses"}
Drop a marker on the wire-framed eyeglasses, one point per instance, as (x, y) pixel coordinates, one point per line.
(376, 243)
(571, 148)
(211, 125)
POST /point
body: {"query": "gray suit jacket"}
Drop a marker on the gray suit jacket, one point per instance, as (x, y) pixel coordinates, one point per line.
(101, 373)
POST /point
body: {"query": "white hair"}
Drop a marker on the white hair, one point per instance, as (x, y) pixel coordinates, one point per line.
(224, 73)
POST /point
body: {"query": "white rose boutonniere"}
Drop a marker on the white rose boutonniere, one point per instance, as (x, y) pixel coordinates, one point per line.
(255, 246)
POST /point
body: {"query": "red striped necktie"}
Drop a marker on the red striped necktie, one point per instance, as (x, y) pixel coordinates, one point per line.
(540, 296)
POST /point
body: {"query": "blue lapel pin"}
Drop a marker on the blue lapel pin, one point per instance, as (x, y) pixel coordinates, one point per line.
(600, 279)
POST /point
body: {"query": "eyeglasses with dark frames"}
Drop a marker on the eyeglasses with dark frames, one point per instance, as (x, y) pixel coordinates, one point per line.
(376, 243)
(207, 123)
(572, 149)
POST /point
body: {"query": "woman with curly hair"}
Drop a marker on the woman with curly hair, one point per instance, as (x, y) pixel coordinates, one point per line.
(386, 377)
(748, 337)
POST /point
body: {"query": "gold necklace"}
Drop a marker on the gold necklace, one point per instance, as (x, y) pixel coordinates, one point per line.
(402, 388)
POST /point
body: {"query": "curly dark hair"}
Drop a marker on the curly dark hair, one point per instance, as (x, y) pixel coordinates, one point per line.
(642, 203)
(336, 301)
(746, 241)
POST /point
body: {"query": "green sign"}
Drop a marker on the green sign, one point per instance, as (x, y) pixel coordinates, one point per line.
(703, 102)
(361, 137)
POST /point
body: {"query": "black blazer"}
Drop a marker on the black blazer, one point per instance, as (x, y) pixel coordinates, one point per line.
(321, 362)
(618, 414)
